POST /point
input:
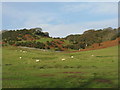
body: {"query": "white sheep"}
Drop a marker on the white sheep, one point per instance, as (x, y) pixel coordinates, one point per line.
(20, 57)
(24, 51)
(37, 60)
(63, 59)
(44, 50)
(72, 57)
(92, 55)
(20, 50)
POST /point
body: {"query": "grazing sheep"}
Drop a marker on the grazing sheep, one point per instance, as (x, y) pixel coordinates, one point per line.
(20, 50)
(20, 57)
(72, 57)
(92, 55)
(24, 51)
(37, 60)
(63, 59)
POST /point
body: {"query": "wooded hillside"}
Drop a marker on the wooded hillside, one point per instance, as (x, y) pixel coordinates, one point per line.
(32, 38)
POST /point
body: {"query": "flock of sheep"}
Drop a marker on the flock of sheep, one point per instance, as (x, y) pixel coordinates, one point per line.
(37, 60)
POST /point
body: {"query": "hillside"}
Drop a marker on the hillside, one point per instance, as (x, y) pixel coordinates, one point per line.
(36, 38)
(102, 45)
(90, 37)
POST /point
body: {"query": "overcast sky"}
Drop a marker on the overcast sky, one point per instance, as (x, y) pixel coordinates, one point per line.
(61, 18)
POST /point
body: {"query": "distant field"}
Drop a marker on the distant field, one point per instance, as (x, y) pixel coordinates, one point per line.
(87, 69)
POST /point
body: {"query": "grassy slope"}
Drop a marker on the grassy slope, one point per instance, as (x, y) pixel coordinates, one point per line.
(84, 70)
(43, 40)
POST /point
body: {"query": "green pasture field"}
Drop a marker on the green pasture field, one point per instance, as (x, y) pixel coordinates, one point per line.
(87, 69)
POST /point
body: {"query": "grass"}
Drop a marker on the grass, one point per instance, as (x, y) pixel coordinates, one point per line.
(82, 71)
(43, 40)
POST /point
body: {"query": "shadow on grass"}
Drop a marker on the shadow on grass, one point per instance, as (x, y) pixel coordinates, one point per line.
(104, 56)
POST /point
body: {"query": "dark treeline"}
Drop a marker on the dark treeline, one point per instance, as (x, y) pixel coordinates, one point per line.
(23, 34)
